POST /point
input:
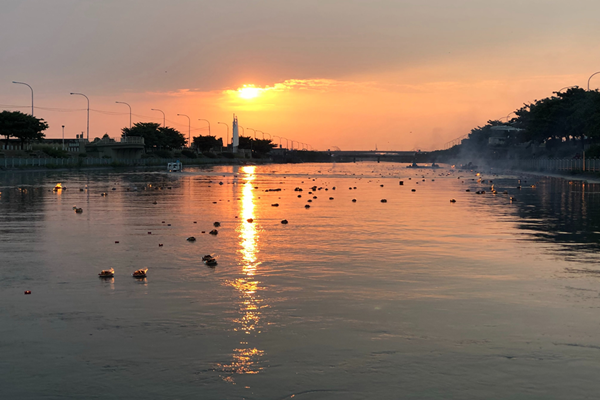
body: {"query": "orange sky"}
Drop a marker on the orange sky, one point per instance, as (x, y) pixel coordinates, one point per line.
(357, 75)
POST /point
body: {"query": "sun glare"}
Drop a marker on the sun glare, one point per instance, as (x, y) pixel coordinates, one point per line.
(248, 92)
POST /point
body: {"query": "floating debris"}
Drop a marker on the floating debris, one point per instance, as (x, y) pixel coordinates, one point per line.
(452, 200)
(191, 239)
(354, 200)
(250, 220)
(140, 273)
(284, 221)
(383, 200)
(275, 205)
(216, 224)
(107, 273)
(214, 232)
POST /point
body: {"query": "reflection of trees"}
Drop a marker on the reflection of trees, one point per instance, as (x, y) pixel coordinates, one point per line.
(564, 212)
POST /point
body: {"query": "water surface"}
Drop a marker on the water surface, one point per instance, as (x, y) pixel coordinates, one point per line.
(416, 297)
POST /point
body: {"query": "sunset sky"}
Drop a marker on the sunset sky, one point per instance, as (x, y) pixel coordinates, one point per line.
(356, 74)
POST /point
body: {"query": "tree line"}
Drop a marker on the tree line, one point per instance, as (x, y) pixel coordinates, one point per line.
(573, 115)
(27, 129)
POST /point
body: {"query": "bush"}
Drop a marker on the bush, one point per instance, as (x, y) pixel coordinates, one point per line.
(593, 151)
(82, 155)
(163, 154)
(209, 154)
(189, 154)
(55, 153)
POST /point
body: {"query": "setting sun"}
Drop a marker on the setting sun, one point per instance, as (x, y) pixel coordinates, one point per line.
(249, 92)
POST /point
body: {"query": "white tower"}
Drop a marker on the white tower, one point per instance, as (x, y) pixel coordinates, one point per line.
(236, 136)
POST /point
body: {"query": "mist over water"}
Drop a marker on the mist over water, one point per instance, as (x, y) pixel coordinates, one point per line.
(417, 297)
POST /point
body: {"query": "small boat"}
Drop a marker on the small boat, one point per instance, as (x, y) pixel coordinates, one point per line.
(140, 273)
(107, 273)
(175, 166)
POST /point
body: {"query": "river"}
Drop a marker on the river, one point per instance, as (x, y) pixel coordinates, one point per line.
(414, 297)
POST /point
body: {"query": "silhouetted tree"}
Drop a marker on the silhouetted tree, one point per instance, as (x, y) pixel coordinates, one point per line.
(24, 127)
(205, 143)
(258, 146)
(156, 136)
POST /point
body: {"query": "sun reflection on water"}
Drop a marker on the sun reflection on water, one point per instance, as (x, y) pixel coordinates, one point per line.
(249, 321)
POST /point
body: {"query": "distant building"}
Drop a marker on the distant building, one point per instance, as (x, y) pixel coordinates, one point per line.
(501, 134)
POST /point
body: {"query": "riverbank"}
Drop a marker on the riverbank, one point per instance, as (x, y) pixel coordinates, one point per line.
(54, 164)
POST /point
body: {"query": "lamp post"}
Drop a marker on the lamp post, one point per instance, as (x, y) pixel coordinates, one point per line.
(189, 128)
(590, 78)
(207, 123)
(88, 113)
(127, 104)
(163, 113)
(23, 83)
(260, 132)
(566, 87)
(226, 143)
(243, 130)
(266, 133)
(63, 142)
(287, 143)
(279, 140)
(253, 130)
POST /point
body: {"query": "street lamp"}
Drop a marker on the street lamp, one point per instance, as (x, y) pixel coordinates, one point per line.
(226, 143)
(253, 130)
(287, 143)
(163, 113)
(566, 87)
(591, 78)
(207, 123)
(243, 130)
(270, 137)
(260, 132)
(23, 83)
(189, 128)
(122, 102)
(63, 142)
(279, 140)
(88, 113)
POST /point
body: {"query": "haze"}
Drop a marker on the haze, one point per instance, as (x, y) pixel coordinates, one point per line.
(396, 75)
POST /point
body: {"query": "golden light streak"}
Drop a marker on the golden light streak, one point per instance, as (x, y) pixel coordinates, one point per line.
(248, 322)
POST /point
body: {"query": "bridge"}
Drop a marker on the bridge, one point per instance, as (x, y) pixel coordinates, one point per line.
(378, 155)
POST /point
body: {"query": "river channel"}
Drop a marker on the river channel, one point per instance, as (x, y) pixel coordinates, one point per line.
(354, 298)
